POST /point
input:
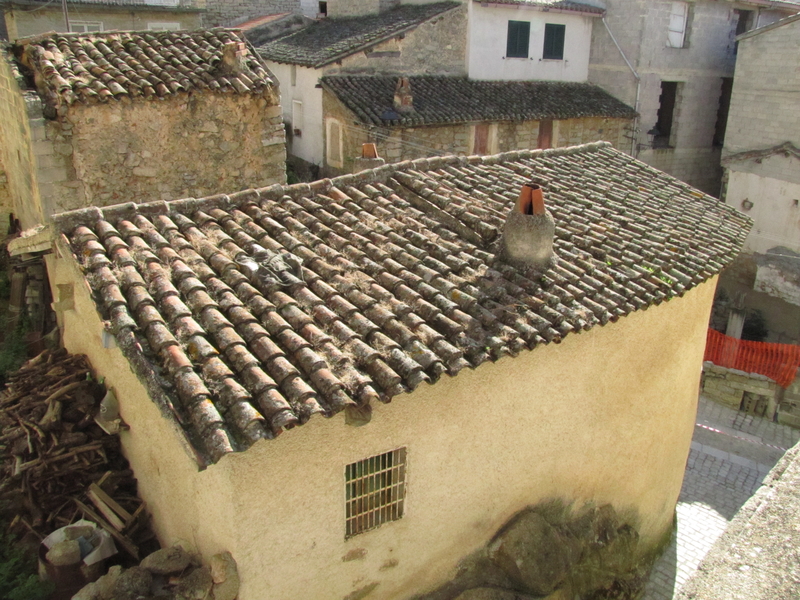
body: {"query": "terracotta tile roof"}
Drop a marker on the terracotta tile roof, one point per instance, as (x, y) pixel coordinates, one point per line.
(96, 67)
(332, 39)
(558, 5)
(248, 314)
(441, 99)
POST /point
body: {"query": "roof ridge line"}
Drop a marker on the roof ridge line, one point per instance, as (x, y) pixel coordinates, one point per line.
(68, 220)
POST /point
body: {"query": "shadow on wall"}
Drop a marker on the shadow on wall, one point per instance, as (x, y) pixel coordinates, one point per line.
(551, 548)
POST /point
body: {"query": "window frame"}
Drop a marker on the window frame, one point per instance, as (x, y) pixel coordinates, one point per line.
(679, 38)
(164, 26)
(84, 25)
(375, 491)
(515, 46)
(554, 36)
(333, 162)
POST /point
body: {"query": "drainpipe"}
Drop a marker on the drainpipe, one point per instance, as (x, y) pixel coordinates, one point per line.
(638, 86)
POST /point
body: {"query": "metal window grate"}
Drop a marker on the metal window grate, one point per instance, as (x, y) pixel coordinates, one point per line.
(375, 490)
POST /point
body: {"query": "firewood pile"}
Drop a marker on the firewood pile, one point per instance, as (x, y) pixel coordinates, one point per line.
(56, 463)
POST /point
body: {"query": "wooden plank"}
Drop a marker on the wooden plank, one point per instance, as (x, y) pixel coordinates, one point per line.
(107, 512)
(126, 544)
(124, 514)
(135, 514)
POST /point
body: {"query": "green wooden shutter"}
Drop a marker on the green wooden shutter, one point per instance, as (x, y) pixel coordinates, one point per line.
(519, 33)
(554, 41)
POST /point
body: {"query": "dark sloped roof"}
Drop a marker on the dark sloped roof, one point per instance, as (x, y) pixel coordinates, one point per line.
(332, 39)
(399, 283)
(96, 67)
(559, 5)
(440, 99)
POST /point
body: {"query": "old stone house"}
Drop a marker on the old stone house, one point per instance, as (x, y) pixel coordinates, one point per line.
(455, 115)
(226, 322)
(478, 46)
(94, 119)
(674, 63)
(23, 18)
(761, 158)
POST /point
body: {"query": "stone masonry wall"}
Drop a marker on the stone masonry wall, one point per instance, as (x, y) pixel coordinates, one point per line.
(395, 145)
(16, 156)
(234, 12)
(731, 387)
(764, 100)
(789, 410)
(436, 47)
(191, 145)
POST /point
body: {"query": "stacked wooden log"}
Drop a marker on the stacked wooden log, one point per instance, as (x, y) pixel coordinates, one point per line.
(53, 455)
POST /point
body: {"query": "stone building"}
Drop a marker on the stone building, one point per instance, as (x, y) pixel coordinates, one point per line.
(23, 18)
(456, 115)
(224, 322)
(761, 158)
(479, 46)
(135, 116)
(674, 63)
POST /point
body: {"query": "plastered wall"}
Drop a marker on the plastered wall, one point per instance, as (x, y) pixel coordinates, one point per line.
(641, 28)
(24, 22)
(488, 32)
(19, 192)
(607, 416)
(190, 145)
(302, 88)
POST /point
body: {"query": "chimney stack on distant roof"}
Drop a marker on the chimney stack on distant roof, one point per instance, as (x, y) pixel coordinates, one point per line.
(369, 158)
(527, 240)
(233, 58)
(403, 98)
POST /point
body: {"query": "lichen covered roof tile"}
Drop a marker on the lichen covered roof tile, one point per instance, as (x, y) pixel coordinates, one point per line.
(98, 67)
(249, 314)
(443, 99)
(332, 38)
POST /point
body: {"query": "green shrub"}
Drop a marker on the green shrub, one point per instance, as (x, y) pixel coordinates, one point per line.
(18, 568)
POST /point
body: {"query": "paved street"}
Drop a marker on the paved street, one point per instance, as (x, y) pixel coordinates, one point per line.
(731, 452)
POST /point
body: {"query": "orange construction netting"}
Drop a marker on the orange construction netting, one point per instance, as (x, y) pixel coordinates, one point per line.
(777, 361)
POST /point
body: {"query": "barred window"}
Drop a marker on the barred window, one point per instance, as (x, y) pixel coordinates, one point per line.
(374, 491)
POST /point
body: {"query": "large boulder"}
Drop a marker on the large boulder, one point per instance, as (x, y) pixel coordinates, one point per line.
(533, 553)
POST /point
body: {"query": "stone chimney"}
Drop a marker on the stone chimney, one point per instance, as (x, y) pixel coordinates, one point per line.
(369, 158)
(403, 98)
(233, 59)
(527, 241)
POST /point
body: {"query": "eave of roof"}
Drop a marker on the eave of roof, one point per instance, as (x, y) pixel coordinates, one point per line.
(786, 149)
(558, 6)
(333, 39)
(770, 27)
(395, 280)
(448, 99)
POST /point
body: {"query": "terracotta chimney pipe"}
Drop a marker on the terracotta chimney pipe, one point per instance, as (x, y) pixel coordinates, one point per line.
(369, 150)
(531, 200)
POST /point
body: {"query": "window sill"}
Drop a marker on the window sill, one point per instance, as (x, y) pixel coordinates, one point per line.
(516, 58)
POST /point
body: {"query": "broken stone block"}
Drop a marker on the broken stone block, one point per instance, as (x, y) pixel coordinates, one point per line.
(106, 584)
(167, 561)
(132, 584)
(88, 592)
(64, 553)
(225, 576)
(195, 586)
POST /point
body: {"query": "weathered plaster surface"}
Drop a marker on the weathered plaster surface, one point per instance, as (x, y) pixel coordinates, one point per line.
(24, 22)
(775, 207)
(309, 144)
(606, 416)
(488, 30)
(191, 145)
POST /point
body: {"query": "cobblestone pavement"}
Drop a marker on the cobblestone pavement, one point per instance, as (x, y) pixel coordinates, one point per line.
(730, 455)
